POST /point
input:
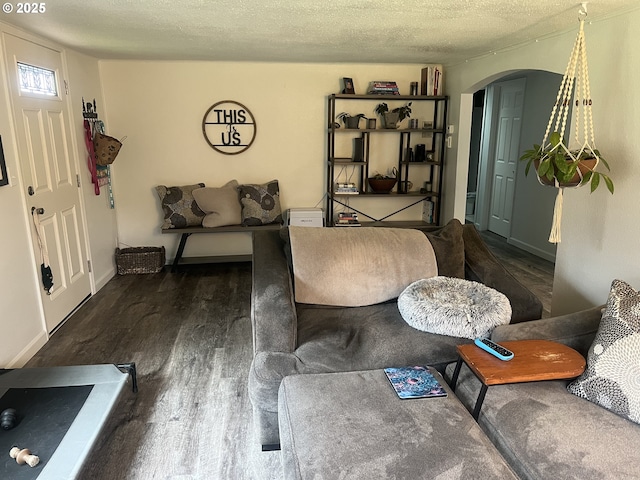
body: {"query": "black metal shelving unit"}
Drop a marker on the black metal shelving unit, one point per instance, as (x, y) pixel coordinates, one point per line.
(403, 137)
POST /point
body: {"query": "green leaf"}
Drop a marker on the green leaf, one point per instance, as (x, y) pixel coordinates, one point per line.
(561, 163)
(544, 167)
(595, 181)
(550, 176)
(605, 162)
(586, 178)
(528, 167)
(608, 182)
(554, 139)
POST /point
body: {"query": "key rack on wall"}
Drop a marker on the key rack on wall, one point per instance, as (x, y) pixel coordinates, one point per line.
(100, 174)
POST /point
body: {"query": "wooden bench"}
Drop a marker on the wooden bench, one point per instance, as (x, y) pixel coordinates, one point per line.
(188, 231)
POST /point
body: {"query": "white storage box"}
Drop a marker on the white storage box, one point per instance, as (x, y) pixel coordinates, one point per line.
(304, 217)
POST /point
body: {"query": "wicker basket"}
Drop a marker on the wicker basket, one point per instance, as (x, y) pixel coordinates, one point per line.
(139, 260)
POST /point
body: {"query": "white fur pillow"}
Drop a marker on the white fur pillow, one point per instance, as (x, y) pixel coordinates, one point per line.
(454, 307)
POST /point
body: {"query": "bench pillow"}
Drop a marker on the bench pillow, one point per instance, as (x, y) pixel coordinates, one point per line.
(260, 203)
(353, 267)
(179, 207)
(221, 205)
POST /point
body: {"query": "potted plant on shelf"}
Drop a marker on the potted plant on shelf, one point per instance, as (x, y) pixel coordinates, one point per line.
(350, 121)
(391, 118)
(382, 183)
(569, 169)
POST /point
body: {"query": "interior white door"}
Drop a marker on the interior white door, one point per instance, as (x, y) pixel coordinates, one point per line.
(505, 161)
(49, 174)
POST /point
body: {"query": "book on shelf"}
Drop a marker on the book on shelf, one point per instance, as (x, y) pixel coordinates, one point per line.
(347, 219)
(345, 185)
(346, 191)
(414, 382)
(347, 223)
(383, 88)
(432, 80)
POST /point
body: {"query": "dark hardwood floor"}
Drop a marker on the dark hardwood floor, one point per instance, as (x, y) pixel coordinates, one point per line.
(534, 272)
(189, 334)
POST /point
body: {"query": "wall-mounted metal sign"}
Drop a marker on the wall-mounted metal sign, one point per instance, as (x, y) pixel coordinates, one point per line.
(229, 127)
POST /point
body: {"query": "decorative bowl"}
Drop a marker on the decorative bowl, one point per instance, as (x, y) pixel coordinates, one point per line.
(382, 185)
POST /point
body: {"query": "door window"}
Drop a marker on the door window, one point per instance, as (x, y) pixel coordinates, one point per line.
(37, 80)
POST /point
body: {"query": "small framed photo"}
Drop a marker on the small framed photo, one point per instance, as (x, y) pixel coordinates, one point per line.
(347, 86)
(4, 179)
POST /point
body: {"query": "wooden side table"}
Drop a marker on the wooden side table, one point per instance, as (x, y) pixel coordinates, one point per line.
(533, 361)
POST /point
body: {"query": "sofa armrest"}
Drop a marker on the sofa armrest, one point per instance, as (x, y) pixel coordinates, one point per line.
(577, 330)
(273, 312)
(482, 266)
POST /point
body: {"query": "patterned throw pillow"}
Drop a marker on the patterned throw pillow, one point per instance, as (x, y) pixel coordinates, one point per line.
(612, 377)
(179, 207)
(260, 204)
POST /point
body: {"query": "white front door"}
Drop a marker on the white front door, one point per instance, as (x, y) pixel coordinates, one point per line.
(49, 174)
(505, 161)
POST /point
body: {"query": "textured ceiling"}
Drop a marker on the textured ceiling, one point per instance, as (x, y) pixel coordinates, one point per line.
(354, 31)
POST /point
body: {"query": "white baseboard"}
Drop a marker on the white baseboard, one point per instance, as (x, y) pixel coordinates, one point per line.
(29, 351)
(531, 249)
(104, 279)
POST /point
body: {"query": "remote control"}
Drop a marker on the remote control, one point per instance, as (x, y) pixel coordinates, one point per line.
(494, 349)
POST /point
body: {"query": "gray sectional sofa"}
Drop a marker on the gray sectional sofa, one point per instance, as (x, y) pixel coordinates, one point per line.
(291, 338)
(540, 429)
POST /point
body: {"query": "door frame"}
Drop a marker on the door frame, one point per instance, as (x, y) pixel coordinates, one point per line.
(488, 144)
(75, 160)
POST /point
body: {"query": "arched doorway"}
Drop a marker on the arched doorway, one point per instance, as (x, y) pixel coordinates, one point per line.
(527, 219)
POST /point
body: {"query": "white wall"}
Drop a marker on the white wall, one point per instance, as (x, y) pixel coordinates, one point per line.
(21, 322)
(159, 106)
(599, 231)
(101, 219)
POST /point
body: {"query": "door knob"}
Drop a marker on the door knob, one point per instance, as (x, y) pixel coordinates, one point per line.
(39, 211)
(30, 191)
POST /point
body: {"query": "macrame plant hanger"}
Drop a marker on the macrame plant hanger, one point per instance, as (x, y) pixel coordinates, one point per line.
(584, 137)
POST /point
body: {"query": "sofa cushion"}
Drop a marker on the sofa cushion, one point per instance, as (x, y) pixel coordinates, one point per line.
(613, 362)
(335, 339)
(260, 203)
(357, 266)
(179, 207)
(544, 432)
(221, 205)
(448, 246)
(453, 306)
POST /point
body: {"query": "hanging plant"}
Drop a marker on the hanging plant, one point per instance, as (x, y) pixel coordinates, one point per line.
(554, 162)
(555, 167)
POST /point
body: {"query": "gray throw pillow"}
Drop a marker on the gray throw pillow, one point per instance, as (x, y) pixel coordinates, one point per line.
(260, 204)
(221, 205)
(612, 376)
(179, 207)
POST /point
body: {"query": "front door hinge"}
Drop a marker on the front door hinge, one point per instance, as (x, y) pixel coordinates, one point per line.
(78, 179)
(66, 87)
(89, 265)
